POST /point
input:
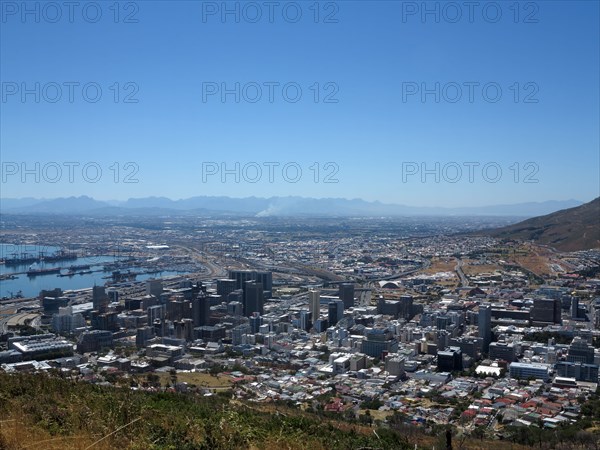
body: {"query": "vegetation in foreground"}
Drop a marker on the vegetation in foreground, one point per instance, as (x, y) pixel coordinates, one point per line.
(42, 411)
(50, 412)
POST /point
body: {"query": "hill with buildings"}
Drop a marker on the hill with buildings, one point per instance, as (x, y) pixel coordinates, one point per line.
(570, 229)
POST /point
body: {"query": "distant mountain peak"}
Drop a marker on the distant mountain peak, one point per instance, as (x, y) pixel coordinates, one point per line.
(265, 207)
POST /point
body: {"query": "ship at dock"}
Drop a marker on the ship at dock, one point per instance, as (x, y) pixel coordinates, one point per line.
(21, 260)
(79, 267)
(35, 272)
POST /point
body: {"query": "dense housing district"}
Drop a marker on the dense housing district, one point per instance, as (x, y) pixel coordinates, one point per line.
(484, 334)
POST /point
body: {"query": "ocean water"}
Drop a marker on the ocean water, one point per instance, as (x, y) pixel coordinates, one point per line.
(31, 286)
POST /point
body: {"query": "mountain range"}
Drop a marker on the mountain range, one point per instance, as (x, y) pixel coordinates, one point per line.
(265, 207)
(570, 229)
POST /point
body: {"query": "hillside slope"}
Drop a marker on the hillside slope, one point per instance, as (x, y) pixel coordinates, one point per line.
(570, 229)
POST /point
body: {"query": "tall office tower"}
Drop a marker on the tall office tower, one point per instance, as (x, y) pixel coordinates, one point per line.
(546, 310)
(574, 307)
(156, 312)
(113, 294)
(484, 322)
(255, 322)
(201, 310)
(335, 311)
(154, 287)
(266, 278)
(253, 298)
(346, 294)
(406, 306)
(99, 298)
(241, 276)
(225, 286)
(314, 302)
(178, 308)
(305, 320)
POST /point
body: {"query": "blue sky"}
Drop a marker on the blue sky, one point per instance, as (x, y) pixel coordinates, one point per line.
(371, 55)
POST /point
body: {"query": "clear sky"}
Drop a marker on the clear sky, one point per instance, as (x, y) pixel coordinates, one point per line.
(527, 74)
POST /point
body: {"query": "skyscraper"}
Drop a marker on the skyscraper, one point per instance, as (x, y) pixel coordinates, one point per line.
(346, 294)
(253, 298)
(406, 306)
(546, 310)
(255, 322)
(484, 322)
(305, 320)
(201, 310)
(266, 278)
(314, 301)
(225, 286)
(99, 298)
(154, 287)
(335, 311)
(241, 276)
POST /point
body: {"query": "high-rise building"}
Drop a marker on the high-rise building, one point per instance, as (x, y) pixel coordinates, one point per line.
(580, 351)
(92, 341)
(253, 298)
(238, 333)
(256, 321)
(346, 294)
(154, 287)
(546, 310)
(449, 360)
(201, 310)
(314, 301)
(395, 365)
(65, 321)
(225, 286)
(335, 311)
(378, 341)
(143, 335)
(484, 322)
(156, 312)
(305, 320)
(406, 306)
(266, 279)
(241, 276)
(99, 298)
(502, 350)
(178, 308)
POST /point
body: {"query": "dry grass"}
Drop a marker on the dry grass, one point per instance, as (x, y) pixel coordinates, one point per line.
(198, 379)
(440, 265)
(534, 258)
(17, 434)
(476, 269)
